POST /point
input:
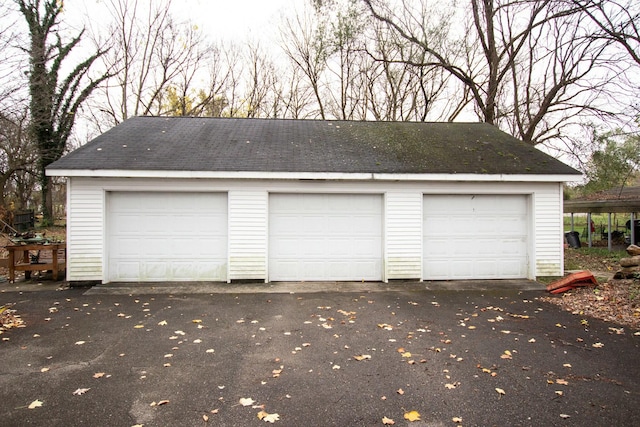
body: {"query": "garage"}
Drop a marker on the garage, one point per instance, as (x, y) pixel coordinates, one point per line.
(160, 236)
(475, 237)
(325, 237)
(238, 199)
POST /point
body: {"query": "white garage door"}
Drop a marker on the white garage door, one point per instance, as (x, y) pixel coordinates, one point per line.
(316, 237)
(156, 237)
(475, 237)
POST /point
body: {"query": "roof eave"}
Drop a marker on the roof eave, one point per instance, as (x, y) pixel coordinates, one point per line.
(601, 206)
(116, 173)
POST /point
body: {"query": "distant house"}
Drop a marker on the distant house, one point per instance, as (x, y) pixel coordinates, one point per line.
(219, 199)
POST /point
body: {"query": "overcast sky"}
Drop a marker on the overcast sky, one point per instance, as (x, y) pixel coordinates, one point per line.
(230, 19)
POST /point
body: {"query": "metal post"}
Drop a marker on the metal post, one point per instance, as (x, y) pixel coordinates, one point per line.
(609, 245)
(571, 221)
(589, 228)
(633, 230)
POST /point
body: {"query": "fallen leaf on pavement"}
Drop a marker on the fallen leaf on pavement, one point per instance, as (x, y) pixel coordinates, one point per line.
(35, 404)
(246, 401)
(162, 323)
(362, 357)
(412, 416)
(456, 420)
(506, 355)
(500, 391)
(98, 375)
(80, 391)
(270, 418)
(387, 421)
(597, 345)
(79, 342)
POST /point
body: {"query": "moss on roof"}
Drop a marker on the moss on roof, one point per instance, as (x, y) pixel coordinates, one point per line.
(274, 145)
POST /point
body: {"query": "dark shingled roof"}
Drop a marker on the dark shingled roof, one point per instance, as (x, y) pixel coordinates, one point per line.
(274, 145)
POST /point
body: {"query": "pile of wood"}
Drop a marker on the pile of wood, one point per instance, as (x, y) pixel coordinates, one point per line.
(631, 265)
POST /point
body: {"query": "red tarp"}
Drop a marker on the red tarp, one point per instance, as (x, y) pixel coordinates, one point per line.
(572, 281)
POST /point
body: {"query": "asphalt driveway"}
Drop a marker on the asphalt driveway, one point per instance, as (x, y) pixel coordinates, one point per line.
(472, 358)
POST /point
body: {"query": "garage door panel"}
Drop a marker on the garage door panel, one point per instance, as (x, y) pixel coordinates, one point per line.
(127, 270)
(325, 237)
(475, 237)
(167, 236)
(155, 271)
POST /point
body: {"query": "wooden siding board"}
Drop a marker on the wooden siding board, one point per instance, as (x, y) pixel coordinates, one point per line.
(403, 235)
(85, 231)
(548, 230)
(248, 213)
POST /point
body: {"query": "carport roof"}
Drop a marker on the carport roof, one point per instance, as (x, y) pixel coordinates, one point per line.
(316, 146)
(617, 200)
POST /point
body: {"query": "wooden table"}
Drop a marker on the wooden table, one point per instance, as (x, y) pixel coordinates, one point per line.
(22, 259)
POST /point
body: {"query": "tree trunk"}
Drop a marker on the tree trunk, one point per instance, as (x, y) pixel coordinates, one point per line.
(46, 199)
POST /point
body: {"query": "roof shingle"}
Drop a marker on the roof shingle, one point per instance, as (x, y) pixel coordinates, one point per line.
(279, 145)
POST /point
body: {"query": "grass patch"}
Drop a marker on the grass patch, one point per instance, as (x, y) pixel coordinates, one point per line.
(604, 253)
(545, 280)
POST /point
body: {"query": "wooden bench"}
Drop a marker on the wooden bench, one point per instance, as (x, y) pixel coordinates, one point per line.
(47, 257)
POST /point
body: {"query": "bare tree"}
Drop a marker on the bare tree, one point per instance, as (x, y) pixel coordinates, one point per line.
(17, 158)
(562, 75)
(617, 21)
(9, 62)
(527, 65)
(307, 46)
(261, 83)
(297, 97)
(345, 58)
(150, 52)
(399, 90)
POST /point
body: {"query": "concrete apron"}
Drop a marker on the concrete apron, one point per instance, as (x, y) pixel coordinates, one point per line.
(310, 287)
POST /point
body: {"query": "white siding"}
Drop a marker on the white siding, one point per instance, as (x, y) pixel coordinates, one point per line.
(85, 230)
(403, 235)
(548, 231)
(248, 233)
(248, 213)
